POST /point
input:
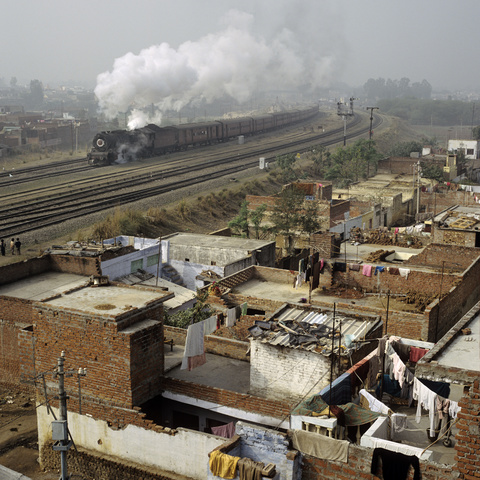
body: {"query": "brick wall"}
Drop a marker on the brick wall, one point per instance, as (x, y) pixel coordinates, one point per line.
(123, 365)
(359, 465)
(419, 281)
(454, 237)
(459, 300)
(92, 465)
(17, 271)
(248, 403)
(76, 265)
(435, 202)
(436, 255)
(467, 439)
(325, 244)
(16, 314)
(338, 210)
(213, 344)
(26, 357)
(404, 165)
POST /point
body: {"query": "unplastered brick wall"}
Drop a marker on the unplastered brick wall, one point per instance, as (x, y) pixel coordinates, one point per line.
(454, 237)
(248, 403)
(435, 202)
(359, 466)
(406, 324)
(26, 358)
(286, 373)
(268, 306)
(76, 265)
(418, 281)
(88, 464)
(116, 362)
(467, 438)
(225, 347)
(459, 300)
(16, 314)
(450, 257)
(28, 268)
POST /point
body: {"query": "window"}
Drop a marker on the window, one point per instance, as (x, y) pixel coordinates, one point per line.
(136, 265)
(213, 263)
(152, 260)
(469, 151)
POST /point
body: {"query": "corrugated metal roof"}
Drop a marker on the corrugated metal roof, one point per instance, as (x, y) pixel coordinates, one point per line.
(312, 330)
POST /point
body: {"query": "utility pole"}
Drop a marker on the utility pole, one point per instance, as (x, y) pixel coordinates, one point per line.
(371, 121)
(60, 434)
(370, 133)
(341, 111)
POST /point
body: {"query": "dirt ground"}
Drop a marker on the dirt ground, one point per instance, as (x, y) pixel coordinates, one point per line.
(18, 435)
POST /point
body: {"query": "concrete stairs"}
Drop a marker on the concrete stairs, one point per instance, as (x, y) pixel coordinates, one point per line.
(170, 274)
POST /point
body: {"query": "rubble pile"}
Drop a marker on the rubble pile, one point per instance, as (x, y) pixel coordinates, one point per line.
(419, 299)
(378, 256)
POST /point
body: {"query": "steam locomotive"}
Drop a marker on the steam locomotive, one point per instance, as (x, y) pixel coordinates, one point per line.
(124, 145)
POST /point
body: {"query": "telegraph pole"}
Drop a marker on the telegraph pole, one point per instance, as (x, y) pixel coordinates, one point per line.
(60, 434)
(370, 133)
(341, 111)
(60, 426)
(371, 121)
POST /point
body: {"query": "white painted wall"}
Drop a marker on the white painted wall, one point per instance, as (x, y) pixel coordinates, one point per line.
(189, 271)
(283, 373)
(184, 453)
(120, 266)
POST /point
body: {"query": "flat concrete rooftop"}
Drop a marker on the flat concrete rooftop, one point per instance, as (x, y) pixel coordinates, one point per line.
(107, 299)
(44, 285)
(215, 241)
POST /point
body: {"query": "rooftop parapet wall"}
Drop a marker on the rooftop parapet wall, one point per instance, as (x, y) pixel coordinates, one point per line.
(248, 403)
(451, 257)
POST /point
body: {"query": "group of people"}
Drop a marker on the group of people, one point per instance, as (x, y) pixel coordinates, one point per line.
(14, 246)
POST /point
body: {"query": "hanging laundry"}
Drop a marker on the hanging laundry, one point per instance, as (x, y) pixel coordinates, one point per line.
(226, 431)
(223, 465)
(210, 325)
(249, 469)
(354, 267)
(393, 271)
(379, 269)
(194, 354)
(416, 353)
(244, 307)
(404, 272)
(231, 316)
(367, 270)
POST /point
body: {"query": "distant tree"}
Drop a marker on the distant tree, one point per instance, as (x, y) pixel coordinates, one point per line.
(404, 149)
(286, 163)
(13, 82)
(240, 223)
(476, 132)
(349, 164)
(321, 159)
(433, 172)
(287, 210)
(309, 221)
(36, 93)
(256, 218)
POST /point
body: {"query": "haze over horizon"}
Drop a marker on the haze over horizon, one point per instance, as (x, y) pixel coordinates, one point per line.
(321, 43)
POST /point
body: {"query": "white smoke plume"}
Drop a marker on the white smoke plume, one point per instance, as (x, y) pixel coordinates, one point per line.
(234, 62)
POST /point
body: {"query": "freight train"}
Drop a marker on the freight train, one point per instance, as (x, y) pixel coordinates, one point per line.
(126, 145)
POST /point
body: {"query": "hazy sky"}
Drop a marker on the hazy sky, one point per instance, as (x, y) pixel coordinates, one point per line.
(342, 40)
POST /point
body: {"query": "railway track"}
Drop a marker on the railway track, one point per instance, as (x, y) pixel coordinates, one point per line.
(37, 208)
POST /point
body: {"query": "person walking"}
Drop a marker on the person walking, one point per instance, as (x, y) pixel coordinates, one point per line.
(12, 246)
(2, 247)
(18, 244)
